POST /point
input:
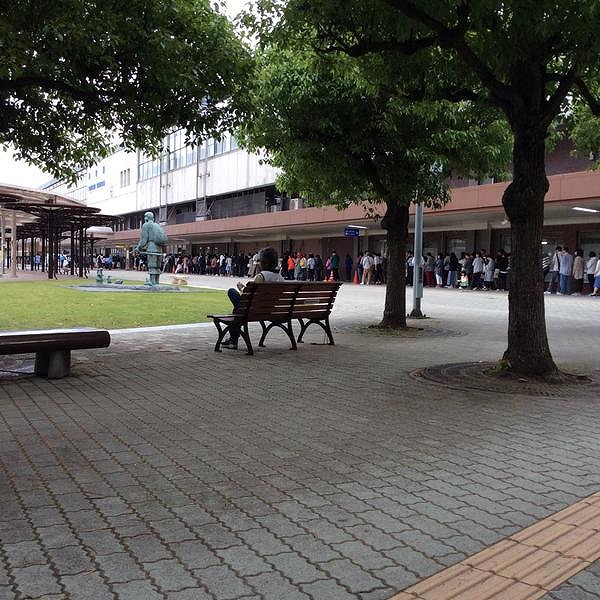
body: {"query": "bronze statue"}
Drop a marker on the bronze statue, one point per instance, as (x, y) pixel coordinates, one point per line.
(152, 243)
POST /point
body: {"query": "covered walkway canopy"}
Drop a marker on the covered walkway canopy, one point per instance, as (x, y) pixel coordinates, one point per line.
(33, 215)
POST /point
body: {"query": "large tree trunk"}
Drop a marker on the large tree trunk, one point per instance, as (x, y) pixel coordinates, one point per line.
(528, 352)
(395, 222)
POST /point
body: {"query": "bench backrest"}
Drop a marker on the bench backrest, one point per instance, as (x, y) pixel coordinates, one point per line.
(287, 300)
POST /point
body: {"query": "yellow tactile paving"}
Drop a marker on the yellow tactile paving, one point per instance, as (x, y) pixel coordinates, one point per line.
(565, 539)
(524, 566)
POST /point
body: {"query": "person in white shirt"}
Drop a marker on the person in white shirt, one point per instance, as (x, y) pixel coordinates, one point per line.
(590, 268)
(554, 271)
(596, 291)
(478, 268)
(367, 264)
(377, 271)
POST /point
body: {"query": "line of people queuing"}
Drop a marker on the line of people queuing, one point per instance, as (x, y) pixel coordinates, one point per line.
(311, 267)
(370, 268)
(477, 270)
(112, 261)
(566, 272)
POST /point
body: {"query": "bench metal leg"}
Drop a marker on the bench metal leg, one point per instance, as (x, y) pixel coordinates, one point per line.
(290, 333)
(287, 327)
(323, 323)
(246, 337)
(222, 331)
(54, 365)
(265, 330)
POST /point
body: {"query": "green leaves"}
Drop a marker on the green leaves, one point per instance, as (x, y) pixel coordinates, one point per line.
(75, 72)
(341, 135)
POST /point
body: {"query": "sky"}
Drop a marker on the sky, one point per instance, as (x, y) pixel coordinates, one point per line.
(19, 173)
(15, 172)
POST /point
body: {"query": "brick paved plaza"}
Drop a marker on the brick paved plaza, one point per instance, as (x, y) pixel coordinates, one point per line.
(163, 470)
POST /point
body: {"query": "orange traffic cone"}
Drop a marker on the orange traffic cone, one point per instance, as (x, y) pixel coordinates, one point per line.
(331, 276)
(355, 280)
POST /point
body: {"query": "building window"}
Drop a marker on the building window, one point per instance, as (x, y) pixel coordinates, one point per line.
(190, 157)
(178, 154)
(125, 177)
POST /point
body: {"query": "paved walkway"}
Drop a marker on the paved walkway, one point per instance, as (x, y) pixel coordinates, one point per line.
(164, 470)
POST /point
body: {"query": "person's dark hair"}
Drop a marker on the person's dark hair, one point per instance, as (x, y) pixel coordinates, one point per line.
(592, 254)
(268, 259)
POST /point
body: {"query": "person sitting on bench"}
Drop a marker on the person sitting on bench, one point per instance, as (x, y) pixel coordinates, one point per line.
(268, 260)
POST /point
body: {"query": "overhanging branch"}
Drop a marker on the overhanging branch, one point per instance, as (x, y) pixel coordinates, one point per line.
(588, 96)
(364, 47)
(556, 99)
(454, 38)
(51, 85)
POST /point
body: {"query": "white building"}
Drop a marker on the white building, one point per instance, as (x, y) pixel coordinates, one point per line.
(110, 185)
(184, 184)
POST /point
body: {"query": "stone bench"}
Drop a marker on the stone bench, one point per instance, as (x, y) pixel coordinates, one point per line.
(52, 347)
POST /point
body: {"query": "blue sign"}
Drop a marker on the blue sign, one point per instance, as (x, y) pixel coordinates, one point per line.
(351, 232)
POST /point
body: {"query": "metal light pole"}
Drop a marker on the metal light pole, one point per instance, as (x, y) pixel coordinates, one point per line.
(418, 268)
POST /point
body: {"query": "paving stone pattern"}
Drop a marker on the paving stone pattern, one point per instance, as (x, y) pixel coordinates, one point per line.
(161, 469)
(584, 586)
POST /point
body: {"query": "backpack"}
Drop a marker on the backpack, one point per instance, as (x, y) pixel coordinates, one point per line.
(161, 236)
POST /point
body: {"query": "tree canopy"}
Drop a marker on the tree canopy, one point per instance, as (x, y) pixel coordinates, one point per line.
(340, 139)
(73, 73)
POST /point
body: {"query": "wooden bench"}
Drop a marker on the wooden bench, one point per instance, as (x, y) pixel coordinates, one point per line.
(52, 347)
(277, 305)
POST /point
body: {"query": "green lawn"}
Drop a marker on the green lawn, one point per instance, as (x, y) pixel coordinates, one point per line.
(49, 304)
